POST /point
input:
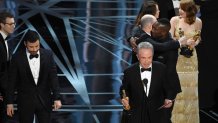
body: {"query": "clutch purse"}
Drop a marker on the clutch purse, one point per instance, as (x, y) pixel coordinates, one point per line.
(186, 51)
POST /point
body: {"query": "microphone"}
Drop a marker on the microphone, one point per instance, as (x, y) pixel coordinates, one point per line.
(145, 82)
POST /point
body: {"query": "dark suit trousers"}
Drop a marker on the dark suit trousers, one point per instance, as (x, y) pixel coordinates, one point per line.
(168, 114)
(126, 117)
(26, 114)
(3, 113)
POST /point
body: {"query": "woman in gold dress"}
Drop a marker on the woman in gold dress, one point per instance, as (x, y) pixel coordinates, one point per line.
(186, 107)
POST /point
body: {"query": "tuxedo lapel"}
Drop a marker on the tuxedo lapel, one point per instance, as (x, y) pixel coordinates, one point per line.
(153, 80)
(2, 45)
(138, 79)
(27, 69)
(2, 41)
(41, 66)
(4, 49)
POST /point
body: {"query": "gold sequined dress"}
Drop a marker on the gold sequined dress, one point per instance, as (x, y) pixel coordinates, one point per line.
(186, 107)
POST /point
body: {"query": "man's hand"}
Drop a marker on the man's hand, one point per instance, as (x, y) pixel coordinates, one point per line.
(10, 110)
(183, 41)
(191, 43)
(167, 103)
(57, 104)
(133, 43)
(125, 102)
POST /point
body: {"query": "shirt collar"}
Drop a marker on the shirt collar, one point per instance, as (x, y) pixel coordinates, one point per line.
(3, 35)
(148, 67)
(148, 33)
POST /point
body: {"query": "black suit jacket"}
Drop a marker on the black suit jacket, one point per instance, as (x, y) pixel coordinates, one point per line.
(4, 65)
(159, 46)
(135, 32)
(169, 58)
(139, 103)
(21, 79)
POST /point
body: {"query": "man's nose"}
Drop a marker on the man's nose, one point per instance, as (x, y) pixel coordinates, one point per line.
(35, 49)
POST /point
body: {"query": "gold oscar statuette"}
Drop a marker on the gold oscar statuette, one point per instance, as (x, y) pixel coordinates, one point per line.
(124, 96)
(196, 37)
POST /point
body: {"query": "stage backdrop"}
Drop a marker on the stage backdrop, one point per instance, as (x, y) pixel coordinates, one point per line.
(88, 38)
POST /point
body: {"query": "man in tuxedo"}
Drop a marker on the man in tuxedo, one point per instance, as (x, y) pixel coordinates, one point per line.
(33, 74)
(160, 33)
(7, 25)
(146, 90)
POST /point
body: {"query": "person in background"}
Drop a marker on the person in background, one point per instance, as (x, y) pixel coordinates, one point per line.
(186, 108)
(7, 26)
(166, 8)
(33, 74)
(144, 89)
(150, 8)
(157, 8)
(147, 22)
(160, 33)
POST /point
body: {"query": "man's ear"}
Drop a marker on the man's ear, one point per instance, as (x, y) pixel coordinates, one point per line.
(1, 25)
(24, 43)
(150, 26)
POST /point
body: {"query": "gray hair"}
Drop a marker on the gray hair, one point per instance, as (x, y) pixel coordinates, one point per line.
(147, 19)
(145, 45)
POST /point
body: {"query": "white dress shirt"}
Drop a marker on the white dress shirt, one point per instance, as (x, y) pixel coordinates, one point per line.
(147, 75)
(34, 66)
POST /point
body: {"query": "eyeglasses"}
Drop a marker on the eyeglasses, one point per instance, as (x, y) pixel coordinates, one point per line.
(10, 24)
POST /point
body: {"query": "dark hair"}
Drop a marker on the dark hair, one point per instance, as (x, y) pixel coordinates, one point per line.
(31, 36)
(4, 15)
(189, 7)
(165, 22)
(146, 8)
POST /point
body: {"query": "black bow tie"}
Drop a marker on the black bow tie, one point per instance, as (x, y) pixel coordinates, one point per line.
(34, 56)
(145, 69)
